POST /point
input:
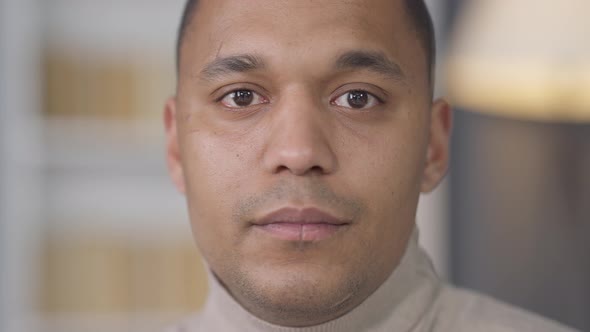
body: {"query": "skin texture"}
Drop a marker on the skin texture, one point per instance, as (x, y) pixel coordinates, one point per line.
(300, 146)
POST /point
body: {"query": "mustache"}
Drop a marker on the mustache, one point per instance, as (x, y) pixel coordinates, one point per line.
(310, 192)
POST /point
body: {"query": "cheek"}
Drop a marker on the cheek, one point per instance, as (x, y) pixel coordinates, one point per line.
(217, 160)
(389, 162)
(392, 191)
(387, 169)
(389, 180)
(385, 175)
(214, 171)
(211, 166)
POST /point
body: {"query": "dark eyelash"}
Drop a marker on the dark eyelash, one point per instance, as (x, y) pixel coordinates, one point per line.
(380, 100)
(225, 95)
(218, 99)
(367, 92)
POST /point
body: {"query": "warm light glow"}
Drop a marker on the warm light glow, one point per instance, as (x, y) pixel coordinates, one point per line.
(527, 59)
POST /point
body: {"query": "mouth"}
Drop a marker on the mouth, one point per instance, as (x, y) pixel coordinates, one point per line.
(303, 225)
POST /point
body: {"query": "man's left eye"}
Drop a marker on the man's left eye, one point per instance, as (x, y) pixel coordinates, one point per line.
(357, 99)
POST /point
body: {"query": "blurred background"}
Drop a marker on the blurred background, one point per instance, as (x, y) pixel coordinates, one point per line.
(93, 236)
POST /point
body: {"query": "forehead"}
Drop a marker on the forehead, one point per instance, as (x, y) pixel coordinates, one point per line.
(299, 29)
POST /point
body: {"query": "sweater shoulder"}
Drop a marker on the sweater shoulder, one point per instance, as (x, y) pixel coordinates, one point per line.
(189, 324)
(455, 309)
(464, 310)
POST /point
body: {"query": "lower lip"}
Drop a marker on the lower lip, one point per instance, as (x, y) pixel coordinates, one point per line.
(300, 232)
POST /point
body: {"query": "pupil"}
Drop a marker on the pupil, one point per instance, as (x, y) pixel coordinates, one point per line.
(358, 99)
(243, 97)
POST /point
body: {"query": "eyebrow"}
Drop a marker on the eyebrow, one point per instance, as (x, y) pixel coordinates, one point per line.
(357, 59)
(231, 64)
(373, 61)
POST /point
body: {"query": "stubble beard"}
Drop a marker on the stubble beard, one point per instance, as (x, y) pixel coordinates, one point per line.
(300, 293)
(297, 300)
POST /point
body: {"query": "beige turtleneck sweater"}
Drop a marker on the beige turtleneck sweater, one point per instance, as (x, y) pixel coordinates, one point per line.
(411, 299)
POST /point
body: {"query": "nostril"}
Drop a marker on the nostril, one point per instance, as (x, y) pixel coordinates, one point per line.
(282, 168)
(300, 170)
(316, 169)
(299, 150)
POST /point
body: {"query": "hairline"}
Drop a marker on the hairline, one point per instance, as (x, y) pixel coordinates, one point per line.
(416, 10)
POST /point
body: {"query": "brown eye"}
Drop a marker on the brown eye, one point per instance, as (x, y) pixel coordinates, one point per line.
(242, 98)
(357, 99)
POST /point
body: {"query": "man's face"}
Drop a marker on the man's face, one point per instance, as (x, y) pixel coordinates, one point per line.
(302, 133)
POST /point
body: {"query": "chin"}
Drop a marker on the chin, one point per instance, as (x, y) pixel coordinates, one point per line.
(293, 293)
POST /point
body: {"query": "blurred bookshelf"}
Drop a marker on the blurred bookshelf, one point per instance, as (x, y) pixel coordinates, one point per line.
(117, 252)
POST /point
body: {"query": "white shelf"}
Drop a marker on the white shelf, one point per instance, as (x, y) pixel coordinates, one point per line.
(101, 145)
(109, 175)
(124, 322)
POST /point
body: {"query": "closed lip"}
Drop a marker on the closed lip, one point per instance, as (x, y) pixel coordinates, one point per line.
(303, 216)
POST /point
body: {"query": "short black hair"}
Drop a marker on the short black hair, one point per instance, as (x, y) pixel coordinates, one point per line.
(416, 10)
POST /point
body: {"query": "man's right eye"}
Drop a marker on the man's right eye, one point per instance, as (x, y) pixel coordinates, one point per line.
(242, 98)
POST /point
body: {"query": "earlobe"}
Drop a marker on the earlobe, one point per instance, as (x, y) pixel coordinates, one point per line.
(437, 155)
(173, 158)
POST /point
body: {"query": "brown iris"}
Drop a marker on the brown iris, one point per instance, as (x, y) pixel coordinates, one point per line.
(358, 99)
(243, 98)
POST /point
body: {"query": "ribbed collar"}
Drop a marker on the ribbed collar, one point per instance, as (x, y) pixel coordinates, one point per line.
(400, 304)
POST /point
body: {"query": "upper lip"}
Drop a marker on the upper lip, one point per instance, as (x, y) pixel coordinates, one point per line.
(300, 216)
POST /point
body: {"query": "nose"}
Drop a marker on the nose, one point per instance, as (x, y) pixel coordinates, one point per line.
(299, 138)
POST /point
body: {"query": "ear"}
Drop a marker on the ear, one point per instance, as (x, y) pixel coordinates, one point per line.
(437, 155)
(173, 159)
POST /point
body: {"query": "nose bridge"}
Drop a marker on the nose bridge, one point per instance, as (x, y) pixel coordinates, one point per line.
(299, 140)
